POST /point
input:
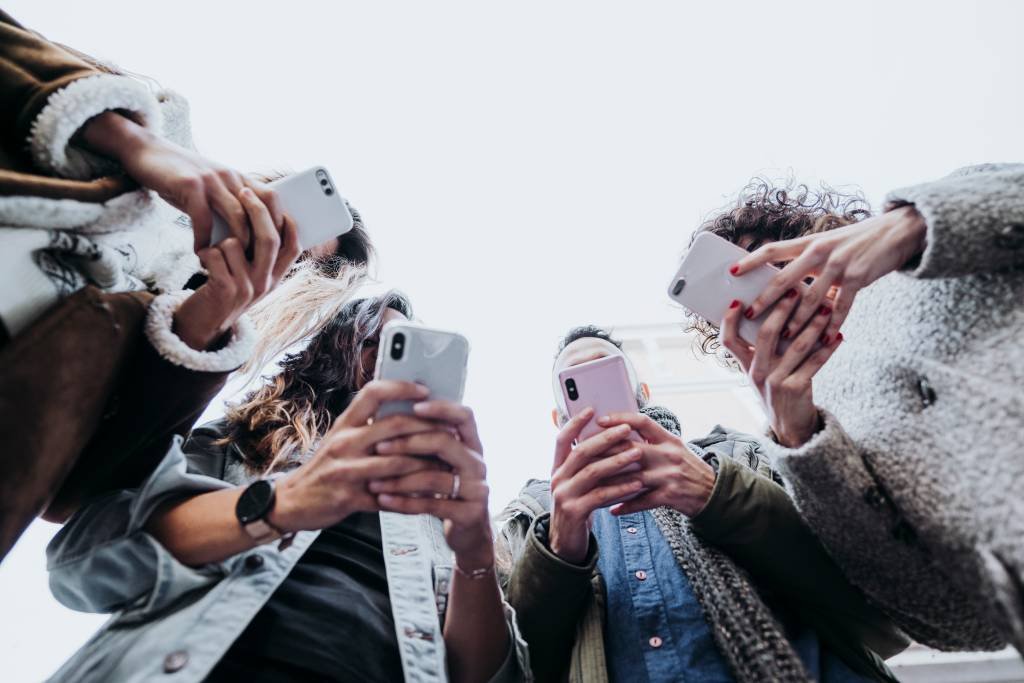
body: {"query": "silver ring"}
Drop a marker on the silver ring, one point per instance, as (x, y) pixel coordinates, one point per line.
(456, 485)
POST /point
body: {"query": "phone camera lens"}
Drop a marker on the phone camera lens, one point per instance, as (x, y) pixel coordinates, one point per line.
(570, 389)
(328, 191)
(398, 346)
(323, 181)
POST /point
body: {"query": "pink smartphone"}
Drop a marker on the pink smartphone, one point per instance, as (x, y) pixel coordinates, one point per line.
(704, 286)
(601, 384)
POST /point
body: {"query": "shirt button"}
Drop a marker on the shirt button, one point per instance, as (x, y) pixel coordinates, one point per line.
(175, 661)
(655, 642)
(631, 530)
(253, 562)
(641, 574)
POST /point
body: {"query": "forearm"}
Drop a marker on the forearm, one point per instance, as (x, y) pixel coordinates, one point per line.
(475, 632)
(115, 136)
(202, 529)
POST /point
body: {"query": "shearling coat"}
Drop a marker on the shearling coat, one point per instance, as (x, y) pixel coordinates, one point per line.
(916, 482)
(93, 380)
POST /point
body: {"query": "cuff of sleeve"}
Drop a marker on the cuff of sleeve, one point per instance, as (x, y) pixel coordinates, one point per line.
(716, 510)
(69, 109)
(160, 320)
(537, 540)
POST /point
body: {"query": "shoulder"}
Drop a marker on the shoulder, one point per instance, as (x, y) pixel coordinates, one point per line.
(208, 451)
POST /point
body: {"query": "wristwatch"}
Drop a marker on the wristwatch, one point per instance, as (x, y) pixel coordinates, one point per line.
(252, 509)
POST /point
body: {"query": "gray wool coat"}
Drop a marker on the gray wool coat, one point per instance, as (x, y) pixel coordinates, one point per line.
(916, 483)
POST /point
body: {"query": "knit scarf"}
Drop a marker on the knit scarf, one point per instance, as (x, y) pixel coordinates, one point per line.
(748, 635)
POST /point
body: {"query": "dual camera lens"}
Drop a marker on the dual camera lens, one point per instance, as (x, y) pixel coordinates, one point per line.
(397, 346)
(325, 184)
(571, 390)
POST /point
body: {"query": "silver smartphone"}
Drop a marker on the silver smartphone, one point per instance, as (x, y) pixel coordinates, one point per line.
(311, 199)
(410, 352)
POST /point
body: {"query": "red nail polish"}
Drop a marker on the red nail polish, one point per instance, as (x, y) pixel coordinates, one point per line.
(735, 303)
(748, 314)
(839, 337)
(786, 333)
(734, 269)
(790, 294)
(824, 310)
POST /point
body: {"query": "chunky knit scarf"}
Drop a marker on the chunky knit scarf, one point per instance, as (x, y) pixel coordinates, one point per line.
(748, 635)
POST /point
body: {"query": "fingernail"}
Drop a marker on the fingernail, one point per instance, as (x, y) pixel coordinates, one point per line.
(824, 339)
(748, 314)
(839, 337)
(633, 453)
(824, 310)
(603, 420)
(786, 333)
(733, 269)
(735, 303)
(419, 408)
(385, 499)
(791, 293)
(383, 446)
(375, 486)
(422, 390)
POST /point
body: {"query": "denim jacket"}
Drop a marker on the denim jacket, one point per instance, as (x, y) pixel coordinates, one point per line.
(172, 619)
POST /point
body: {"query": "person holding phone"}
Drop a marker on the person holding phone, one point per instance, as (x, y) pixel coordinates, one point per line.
(255, 550)
(895, 448)
(700, 569)
(118, 320)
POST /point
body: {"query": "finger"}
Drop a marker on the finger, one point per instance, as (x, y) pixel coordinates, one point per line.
(647, 501)
(790, 277)
(227, 206)
(289, 250)
(768, 337)
(773, 252)
(728, 335)
(595, 472)
(605, 495)
(202, 221)
(455, 414)
(595, 446)
(817, 360)
(381, 467)
(431, 484)
(568, 434)
(644, 426)
(457, 510)
(439, 443)
(804, 344)
(369, 399)
(265, 240)
(390, 428)
(815, 296)
(270, 199)
(840, 309)
(239, 266)
(212, 259)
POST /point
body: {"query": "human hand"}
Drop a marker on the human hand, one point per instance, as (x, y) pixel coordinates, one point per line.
(183, 178)
(585, 479)
(848, 259)
(235, 282)
(459, 496)
(333, 483)
(672, 474)
(784, 381)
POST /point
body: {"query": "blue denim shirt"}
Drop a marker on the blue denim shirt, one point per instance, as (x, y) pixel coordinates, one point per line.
(656, 628)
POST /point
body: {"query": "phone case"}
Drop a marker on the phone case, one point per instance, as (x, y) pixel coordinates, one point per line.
(434, 358)
(602, 384)
(312, 201)
(704, 285)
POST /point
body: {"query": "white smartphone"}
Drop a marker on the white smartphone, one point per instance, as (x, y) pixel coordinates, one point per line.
(413, 353)
(703, 284)
(312, 201)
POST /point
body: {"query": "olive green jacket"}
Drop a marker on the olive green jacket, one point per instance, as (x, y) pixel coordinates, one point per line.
(749, 516)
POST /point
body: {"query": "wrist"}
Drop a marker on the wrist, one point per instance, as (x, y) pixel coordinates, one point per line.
(284, 516)
(473, 560)
(911, 231)
(703, 477)
(192, 323)
(567, 545)
(114, 135)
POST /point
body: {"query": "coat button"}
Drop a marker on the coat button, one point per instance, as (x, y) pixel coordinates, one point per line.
(927, 393)
(1011, 236)
(253, 562)
(175, 661)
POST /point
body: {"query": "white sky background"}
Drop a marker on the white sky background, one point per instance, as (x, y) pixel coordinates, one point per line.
(527, 167)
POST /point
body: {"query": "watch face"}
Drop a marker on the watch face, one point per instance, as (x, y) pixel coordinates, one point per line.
(255, 501)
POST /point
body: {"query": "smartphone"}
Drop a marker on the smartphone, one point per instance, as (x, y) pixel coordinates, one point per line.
(704, 286)
(413, 353)
(601, 384)
(311, 199)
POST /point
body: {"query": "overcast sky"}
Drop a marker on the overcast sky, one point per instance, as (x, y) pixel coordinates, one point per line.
(524, 167)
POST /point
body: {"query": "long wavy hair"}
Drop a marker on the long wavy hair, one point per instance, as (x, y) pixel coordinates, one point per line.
(277, 424)
(766, 211)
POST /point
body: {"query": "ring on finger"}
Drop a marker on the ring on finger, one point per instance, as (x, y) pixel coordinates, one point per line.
(456, 485)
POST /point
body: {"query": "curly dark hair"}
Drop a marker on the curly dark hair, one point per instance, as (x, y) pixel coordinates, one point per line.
(583, 332)
(279, 422)
(768, 212)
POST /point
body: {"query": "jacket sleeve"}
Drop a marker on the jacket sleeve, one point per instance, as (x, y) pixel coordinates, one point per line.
(754, 521)
(975, 220)
(104, 561)
(549, 597)
(49, 94)
(838, 496)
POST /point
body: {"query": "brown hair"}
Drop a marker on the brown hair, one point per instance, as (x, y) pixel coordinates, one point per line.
(279, 423)
(768, 212)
